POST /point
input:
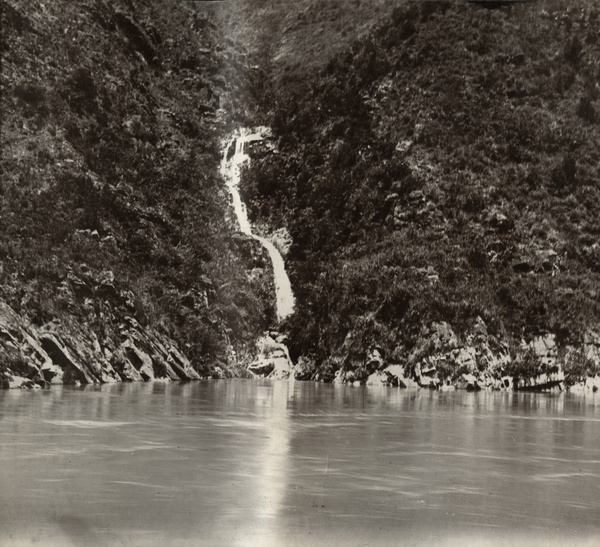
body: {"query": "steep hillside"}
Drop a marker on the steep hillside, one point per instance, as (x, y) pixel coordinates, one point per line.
(442, 175)
(117, 261)
(294, 38)
(436, 166)
(285, 42)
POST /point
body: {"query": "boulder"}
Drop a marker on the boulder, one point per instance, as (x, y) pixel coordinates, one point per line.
(140, 360)
(395, 370)
(63, 358)
(52, 373)
(273, 360)
(471, 383)
(427, 381)
(218, 373)
(507, 382)
(592, 384)
(378, 378)
(304, 369)
(395, 374)
(374, 359)
(282, 369)
(339, 377)
(261, 367)
(578, 388)
(18, 382)
(407, 383)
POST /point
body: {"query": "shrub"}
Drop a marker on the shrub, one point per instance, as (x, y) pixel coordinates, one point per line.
(30, 93)
(573, 50)
(586, 110)
(565, 174)
(80, 90)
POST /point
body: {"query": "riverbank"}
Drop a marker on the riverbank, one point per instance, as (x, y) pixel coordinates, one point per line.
(441, 361)
(443, 242)
(118, 262)
(438, 178)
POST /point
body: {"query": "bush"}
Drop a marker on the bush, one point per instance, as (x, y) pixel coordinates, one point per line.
(565, 174)
(80, 90)
(586, 110)
(30, 93)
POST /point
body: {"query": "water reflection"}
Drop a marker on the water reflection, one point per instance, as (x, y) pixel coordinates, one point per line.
(259, 463)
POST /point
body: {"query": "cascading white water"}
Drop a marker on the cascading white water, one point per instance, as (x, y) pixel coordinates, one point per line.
(230, 169)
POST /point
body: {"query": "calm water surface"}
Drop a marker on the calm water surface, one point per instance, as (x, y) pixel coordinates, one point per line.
(259, 463)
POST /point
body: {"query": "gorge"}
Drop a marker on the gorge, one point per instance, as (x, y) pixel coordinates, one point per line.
(415, 243)
(423, 175)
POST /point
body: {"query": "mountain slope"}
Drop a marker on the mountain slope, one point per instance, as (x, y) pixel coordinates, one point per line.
(443, 170)
(115, 248)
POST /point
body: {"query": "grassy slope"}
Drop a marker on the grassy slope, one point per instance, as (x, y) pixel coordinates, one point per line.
(444, 168)
(109, 162)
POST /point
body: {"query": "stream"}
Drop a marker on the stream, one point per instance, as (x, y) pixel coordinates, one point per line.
(231, 171)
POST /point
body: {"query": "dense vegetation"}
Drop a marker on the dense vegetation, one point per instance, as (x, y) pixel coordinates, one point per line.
(443, 168)
(112, 204)
(437, 163)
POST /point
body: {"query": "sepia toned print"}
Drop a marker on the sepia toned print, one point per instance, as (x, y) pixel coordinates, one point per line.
(321, 272)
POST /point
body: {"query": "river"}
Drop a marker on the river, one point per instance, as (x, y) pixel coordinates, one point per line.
(296, 463)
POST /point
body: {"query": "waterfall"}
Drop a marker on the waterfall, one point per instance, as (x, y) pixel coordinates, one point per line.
(230, 169)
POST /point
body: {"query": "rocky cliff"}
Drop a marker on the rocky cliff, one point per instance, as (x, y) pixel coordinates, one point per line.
(435, 170)
(441, 174)
(118, 257)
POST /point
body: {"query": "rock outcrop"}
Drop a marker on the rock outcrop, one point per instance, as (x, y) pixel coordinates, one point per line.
(273, 361)
(479, 361)
(56, 354)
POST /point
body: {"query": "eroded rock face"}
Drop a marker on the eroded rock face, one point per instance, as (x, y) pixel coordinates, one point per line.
(477, 361)
(71, 354)
(273, 359)
(589, 385)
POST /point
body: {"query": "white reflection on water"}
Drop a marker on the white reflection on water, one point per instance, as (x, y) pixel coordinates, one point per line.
(259, 463)
(273, 478)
